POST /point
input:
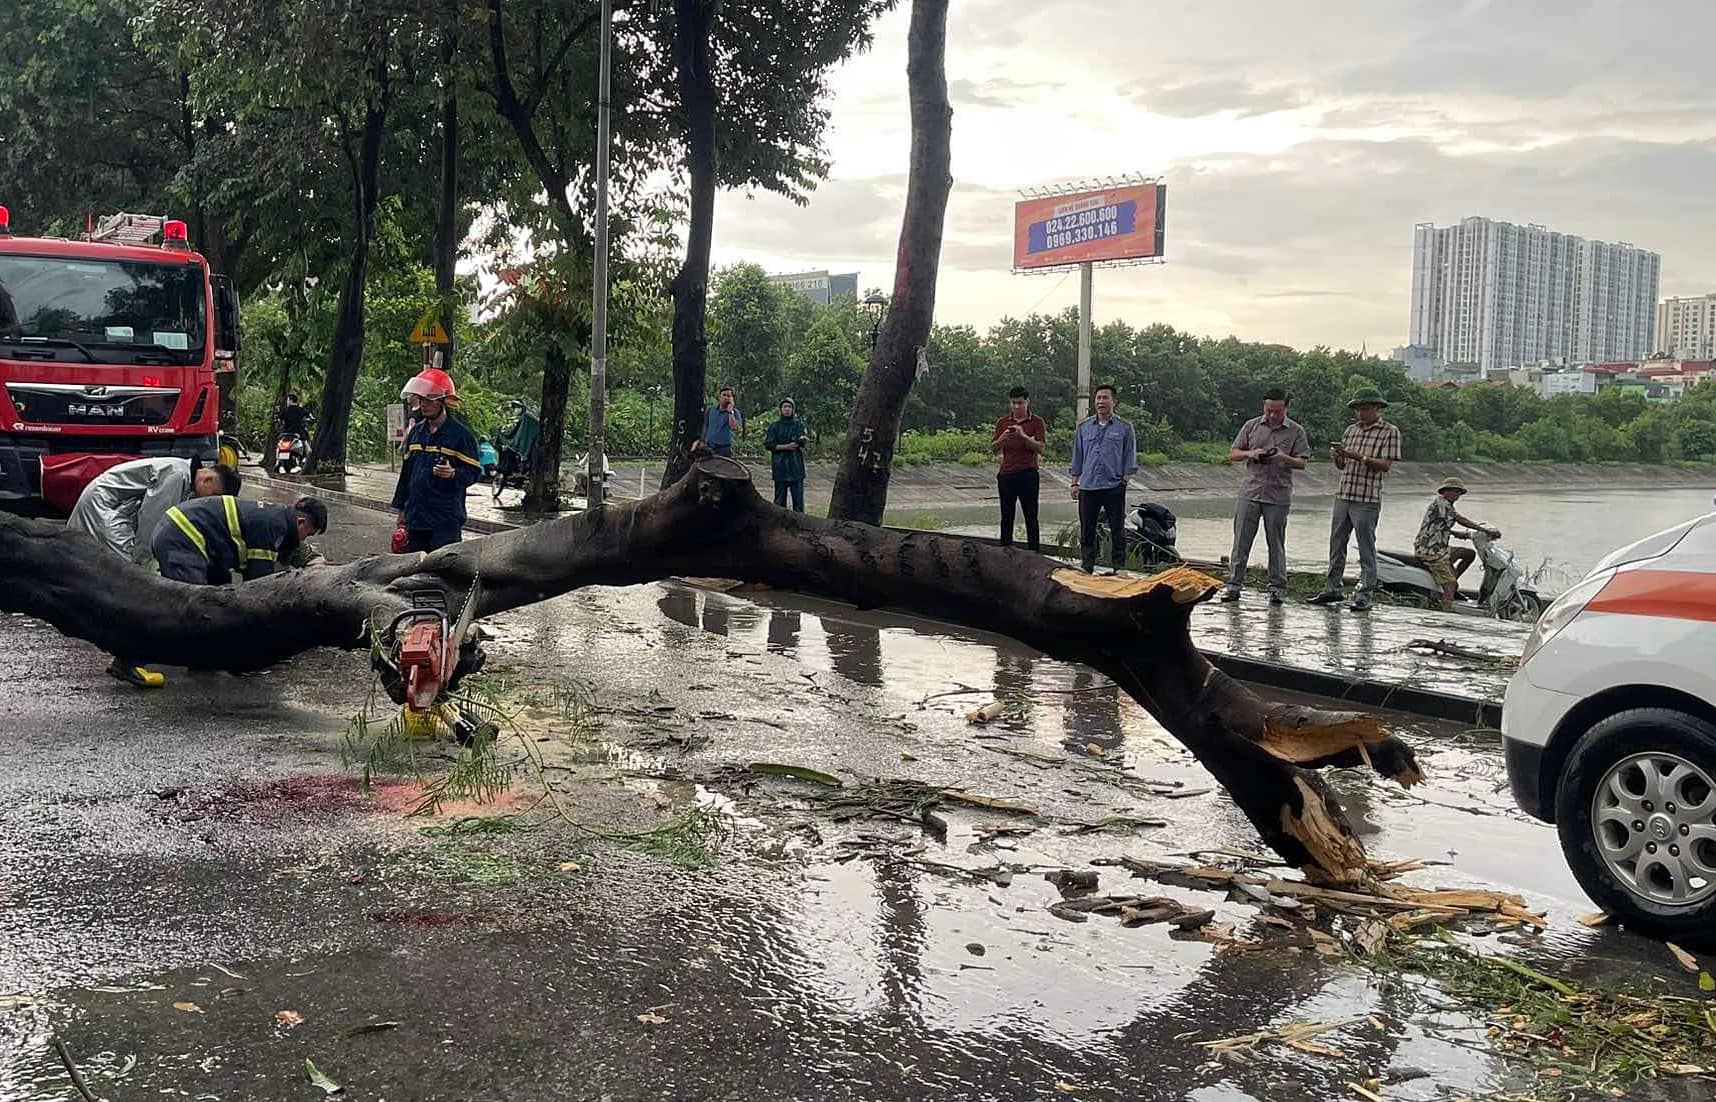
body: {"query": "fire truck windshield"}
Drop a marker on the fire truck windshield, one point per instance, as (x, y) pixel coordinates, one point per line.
(110, 311)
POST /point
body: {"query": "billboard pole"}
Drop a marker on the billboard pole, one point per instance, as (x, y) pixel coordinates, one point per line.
(1085, 276)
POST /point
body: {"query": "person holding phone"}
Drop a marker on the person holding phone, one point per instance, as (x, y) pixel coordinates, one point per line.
(440, 465)
(1272, 446)
(1363, 455)
(1020, 437)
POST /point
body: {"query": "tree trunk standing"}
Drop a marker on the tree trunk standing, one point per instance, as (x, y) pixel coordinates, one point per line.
(554, 175)
(712, 522)
(347, 354)
(690, 287)
(543, 493)
(447, 205)
(861, 487)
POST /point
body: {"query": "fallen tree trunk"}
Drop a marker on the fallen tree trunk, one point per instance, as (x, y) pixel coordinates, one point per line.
(713, 523)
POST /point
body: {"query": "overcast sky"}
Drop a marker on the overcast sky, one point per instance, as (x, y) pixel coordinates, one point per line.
(1301, 140)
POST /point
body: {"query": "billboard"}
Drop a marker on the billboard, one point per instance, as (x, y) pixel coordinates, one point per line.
(1124, 222)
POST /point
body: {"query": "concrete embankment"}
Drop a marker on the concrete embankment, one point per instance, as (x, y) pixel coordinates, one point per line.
(946, 485)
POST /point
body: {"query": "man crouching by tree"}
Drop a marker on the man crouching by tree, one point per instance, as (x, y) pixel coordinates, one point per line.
(204, 540)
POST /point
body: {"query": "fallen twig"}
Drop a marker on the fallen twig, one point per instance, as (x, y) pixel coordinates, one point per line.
(71, 1069)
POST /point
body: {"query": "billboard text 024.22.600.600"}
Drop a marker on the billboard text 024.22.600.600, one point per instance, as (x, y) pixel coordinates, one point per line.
(1109, 224)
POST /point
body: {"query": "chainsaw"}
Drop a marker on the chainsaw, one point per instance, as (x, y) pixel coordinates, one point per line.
(427, 652)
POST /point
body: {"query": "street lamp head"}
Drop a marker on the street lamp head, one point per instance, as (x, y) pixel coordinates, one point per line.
(874, 305)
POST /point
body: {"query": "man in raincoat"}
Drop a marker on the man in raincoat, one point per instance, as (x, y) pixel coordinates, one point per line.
(123, 507)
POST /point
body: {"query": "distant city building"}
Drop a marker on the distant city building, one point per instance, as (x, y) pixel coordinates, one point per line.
(1687, 327)
(820, 287)
(1677, 376)
(1569, 380)
(1420, 362)
(1495, 294)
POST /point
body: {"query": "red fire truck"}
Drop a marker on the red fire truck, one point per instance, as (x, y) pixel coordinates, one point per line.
(117, 346)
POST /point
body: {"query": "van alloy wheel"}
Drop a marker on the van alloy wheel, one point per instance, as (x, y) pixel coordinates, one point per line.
(1654, 820)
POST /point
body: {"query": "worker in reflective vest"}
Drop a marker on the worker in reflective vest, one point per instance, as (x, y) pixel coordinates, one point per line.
(207, 539)
(204, 540)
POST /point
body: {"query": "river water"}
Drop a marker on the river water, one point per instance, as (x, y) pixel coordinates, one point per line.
(1560, 534)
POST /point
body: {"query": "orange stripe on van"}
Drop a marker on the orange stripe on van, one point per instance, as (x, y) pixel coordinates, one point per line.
(1673, 594)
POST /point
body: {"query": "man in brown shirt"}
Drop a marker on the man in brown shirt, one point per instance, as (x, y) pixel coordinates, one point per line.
(1272, 447)
(1365, 453)
(1020, 437)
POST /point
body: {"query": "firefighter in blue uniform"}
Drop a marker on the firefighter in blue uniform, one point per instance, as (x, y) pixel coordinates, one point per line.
(204, 540)
(207, 539)
(440, 465)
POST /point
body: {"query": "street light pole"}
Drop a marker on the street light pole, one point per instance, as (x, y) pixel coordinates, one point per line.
(599, 306)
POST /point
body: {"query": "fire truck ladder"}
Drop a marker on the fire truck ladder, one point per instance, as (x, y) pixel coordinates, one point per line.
(127, 229)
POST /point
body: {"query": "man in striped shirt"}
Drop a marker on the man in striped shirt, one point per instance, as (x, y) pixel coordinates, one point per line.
(1366, 452)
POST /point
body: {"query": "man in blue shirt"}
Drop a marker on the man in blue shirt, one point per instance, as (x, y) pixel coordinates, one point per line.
(721, 422)
(1105, 457)
(440, 465)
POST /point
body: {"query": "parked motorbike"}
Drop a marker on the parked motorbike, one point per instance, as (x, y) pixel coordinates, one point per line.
(290, 452)
(1506, 592)
(581, 476)
(1152, 535)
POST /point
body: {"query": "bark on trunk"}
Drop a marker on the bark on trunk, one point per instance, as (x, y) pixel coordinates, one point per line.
(543, 493)
(712, 522)
(861, 487)
(328, 455)
(447, 205)
(690, 287)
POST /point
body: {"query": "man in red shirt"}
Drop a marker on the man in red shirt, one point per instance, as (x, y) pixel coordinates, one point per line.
(1020, 437)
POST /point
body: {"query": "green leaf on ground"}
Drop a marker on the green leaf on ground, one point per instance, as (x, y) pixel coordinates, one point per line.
(319, 1079)
(797, 772)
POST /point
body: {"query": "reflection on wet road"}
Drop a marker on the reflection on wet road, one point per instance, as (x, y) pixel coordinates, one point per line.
(155, 848)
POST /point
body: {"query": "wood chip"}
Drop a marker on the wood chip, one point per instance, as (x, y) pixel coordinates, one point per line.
(188, 1008)
(1687, 960)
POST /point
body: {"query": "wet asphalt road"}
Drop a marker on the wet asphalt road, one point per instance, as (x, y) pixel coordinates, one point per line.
(179, 868)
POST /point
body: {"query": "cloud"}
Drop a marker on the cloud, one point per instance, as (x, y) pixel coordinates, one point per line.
(1211, 97)
(997, 92)
(1300, 140)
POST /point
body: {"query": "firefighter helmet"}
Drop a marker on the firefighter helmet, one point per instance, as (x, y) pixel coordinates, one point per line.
(431, 384)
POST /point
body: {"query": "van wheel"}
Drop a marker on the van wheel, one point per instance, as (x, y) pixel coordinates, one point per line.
(1636, 811)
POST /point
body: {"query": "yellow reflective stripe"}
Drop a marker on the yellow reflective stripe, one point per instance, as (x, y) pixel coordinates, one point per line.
(451, 453)
(183, 524)
(264, 556)
(231, 504)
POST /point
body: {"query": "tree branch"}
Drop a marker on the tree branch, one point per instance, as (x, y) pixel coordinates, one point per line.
(712, 522)
(534, 99)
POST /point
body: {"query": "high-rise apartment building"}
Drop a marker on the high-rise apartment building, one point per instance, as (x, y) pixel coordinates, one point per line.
(1686, 328)
(1499, 295)
(821, 288)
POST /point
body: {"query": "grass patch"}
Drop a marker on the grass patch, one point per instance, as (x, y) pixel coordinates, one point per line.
(1572, 1036)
